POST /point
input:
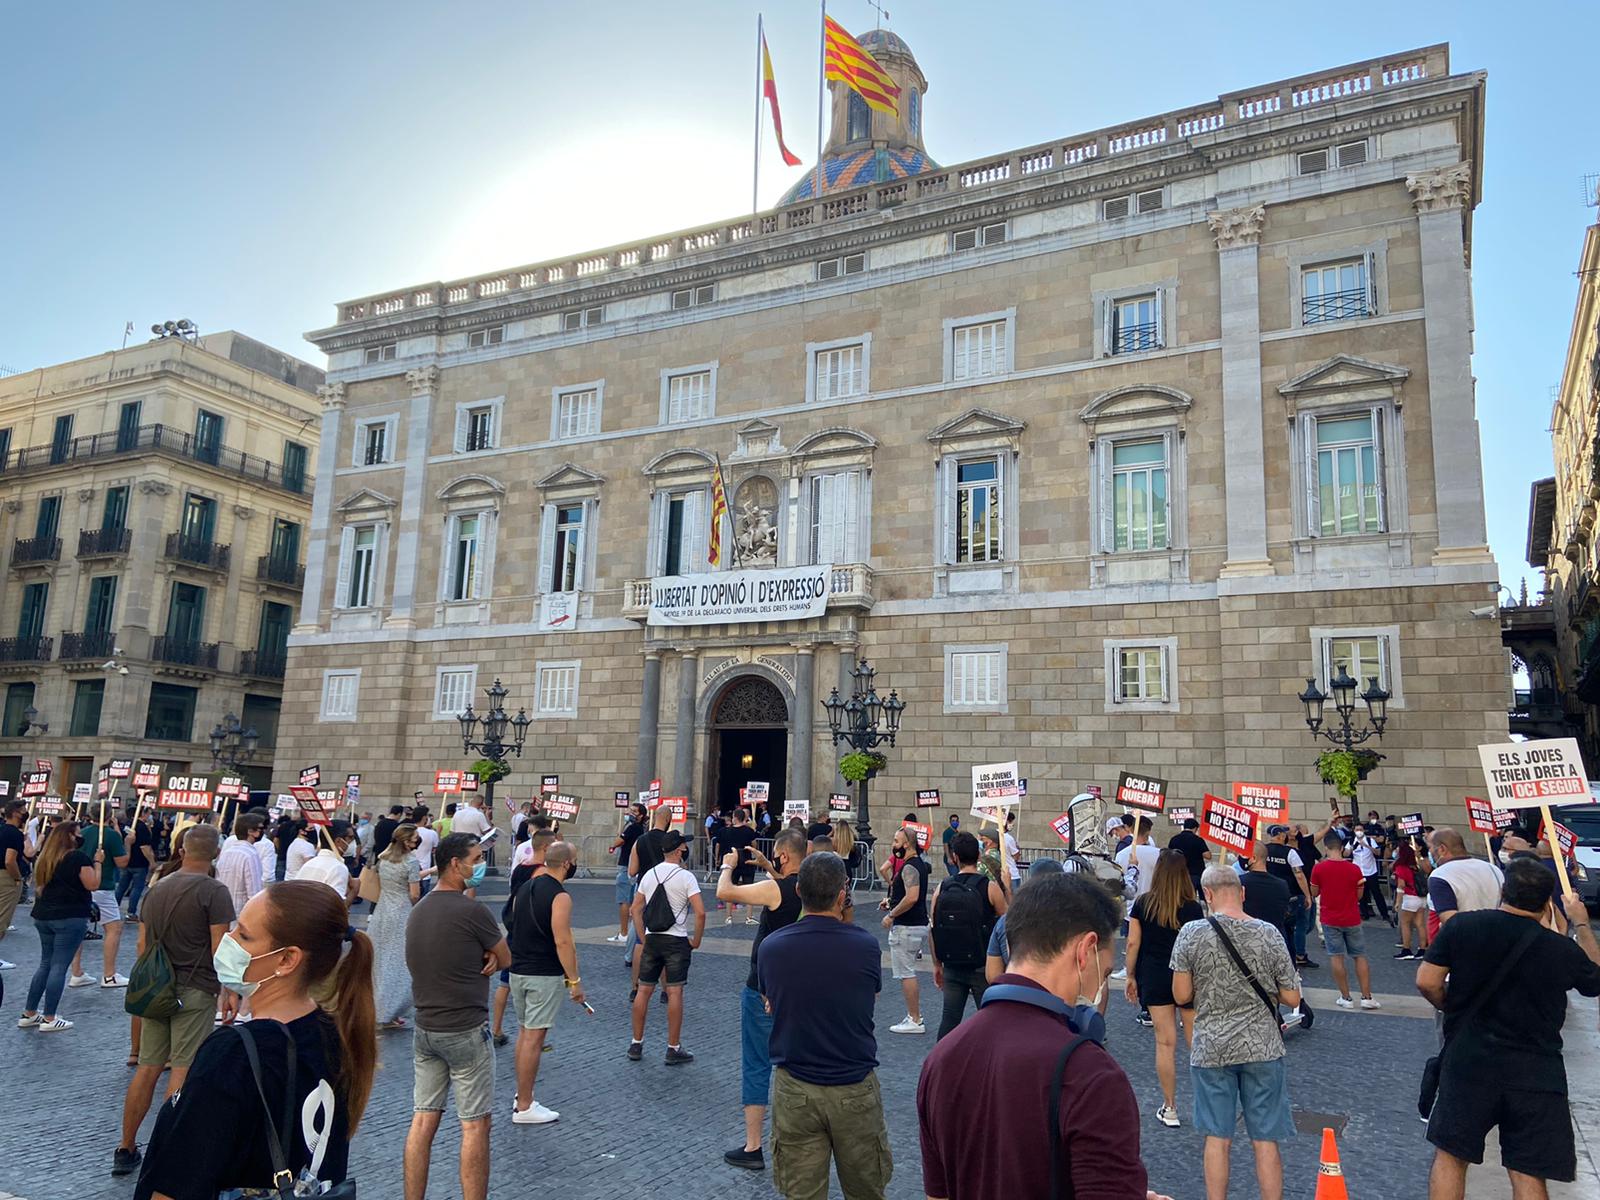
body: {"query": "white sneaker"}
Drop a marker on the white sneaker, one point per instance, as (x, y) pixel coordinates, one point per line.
(27, 1022)
(534, 1114)
(1369, 1002)
(1168, 1116)
(618, 938)
(1120, 973)
(909, 1026)
(1344, 1002)
(59, 1025)
(7, 966)
(114, 981)
(728, 920)
(80, 981)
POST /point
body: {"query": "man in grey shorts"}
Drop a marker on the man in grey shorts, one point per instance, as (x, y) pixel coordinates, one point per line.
(453, 948)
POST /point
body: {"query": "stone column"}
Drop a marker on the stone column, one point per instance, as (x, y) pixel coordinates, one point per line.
(146, 581)
(1238, 233)
(1440, 198)
(318, 551)
(683, 755)
(649, 721)
(805, 707)
(402, 606)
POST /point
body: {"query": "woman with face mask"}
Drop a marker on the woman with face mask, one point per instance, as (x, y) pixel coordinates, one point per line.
(399, 887)
(212, 1138)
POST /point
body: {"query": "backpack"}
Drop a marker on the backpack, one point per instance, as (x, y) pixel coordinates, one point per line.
(658, 914)
(153, 985)
(962, 922)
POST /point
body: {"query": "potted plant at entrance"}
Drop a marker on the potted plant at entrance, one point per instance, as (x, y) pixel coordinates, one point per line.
(858, 767)
(1344, 769)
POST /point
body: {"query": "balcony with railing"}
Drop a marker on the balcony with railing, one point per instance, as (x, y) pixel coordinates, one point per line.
(35, 550)
(200, 655)
(849, 587)
(103, 543)
(199, 552)
(152, 439)
(81, 646)
(26, 649)
(263, 664)
(1130, 339)
(1347, 305)
(271, 568)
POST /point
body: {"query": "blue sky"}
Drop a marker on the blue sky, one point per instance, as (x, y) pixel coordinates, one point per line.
(247, 166)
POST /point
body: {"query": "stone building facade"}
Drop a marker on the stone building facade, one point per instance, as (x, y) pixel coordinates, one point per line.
(154, 502)
(1106, 446)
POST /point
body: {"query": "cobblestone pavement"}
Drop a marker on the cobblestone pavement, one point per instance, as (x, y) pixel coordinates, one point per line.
(626, 1126)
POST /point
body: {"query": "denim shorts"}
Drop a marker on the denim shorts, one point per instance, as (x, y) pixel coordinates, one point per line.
(624, 886)
(1261, 1089)
(755, 1057)
(1348, 940)
(664, 953)
(462, 1060)
(536, 999)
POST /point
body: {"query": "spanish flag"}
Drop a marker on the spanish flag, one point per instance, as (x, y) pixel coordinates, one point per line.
(769, 89)
(719, 510)
(847, 60)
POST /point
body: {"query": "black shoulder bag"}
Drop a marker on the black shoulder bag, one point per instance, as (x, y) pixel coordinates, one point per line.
(1238, 961)
(1429, 1091)
(283, 1179)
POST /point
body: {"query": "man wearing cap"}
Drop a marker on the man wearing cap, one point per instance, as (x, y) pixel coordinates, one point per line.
(666, 951)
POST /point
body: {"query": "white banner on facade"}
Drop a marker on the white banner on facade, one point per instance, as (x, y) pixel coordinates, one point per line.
(728, 597)
(558, 612)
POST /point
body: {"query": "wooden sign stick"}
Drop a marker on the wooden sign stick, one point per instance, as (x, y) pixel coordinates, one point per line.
(1555, 849)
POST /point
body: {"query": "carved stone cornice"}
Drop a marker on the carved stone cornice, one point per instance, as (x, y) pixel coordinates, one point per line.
(86, 494)
(243, 512)
(1238, 226)
(13, 506)
(332, 395)
(154, 487)
(422, 379)
(1442, 189)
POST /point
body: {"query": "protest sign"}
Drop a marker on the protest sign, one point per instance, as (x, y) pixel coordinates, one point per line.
(1504, 818)
(678, 805)
(550, 784)
(1228, 825)
(186, 793)
(1480, 815)
(1269, 801)
(1141, 791)
(102, 784)
(352, 789)
(287, 803)
(44, 764)
(36, 783)
(562, 808)
(1063, 827)
(120, 768)
(147, 776)
(928, 798)
(1530, 774)
(445, 782)
(651, 794)
(923, 833)
(1411, 824)
(1568, 839)
(310, 805)
(840, 802)
(620, 800)
(80, 793)
(795, 808)
(49, 806)
(995, 784)
(5, 787)
(469, 781)
(756, 791)
(1179, 813)
(311, 776)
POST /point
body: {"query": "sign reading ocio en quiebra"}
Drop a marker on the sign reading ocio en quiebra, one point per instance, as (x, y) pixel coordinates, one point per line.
(728, 597)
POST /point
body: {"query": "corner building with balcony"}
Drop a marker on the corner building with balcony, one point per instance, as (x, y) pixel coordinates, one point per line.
(1107, 445)
(154, 506)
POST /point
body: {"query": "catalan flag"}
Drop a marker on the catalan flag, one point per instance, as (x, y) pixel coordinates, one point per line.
(719, 510)
(847, 60)
(769, 89)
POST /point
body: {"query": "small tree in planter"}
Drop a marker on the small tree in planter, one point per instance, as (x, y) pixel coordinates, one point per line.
(1343, 770)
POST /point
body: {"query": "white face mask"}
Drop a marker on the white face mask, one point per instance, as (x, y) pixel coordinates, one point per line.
(1100, 991)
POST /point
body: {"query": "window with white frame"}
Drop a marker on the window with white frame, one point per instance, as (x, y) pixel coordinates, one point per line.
(975, 678)
(477, 426)
(358, 566)
(689, 397)
(835, 508)
(695, 296)
(840, 372)
(1135, 324)
(681, 528)
(383, 353)
(374, 442)
(493, 336)
(453, 691)
(567, 551)
(556, 690)
(339, 692)
(1141, 674)
(849, 264)
(577, 413)
(1347, 451)
(981, 235)
(1336, 291)
(1138, 502)
(1362, 653)
(464, 557)
(978, 511)
(978, 350)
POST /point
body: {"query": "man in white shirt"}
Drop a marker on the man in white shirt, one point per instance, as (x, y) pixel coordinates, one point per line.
(329, 866)
(301, 851)
(1364, 853)
(1143, 857)
(469, 818)
(667, 952)
(427, 843)
(1013, 852)
(239, 866)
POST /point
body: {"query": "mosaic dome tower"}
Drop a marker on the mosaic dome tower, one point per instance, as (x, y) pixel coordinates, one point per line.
(864, 146)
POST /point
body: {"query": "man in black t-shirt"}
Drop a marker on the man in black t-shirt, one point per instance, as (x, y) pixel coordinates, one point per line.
(141, 857)
(544, 962)
(383, 831)
(623, 848)
(738, 837)
(11, 863)
(1192, 846)
(1503, 1066)
(647, 853)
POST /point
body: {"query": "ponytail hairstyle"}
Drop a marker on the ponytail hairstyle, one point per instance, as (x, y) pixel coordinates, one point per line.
(844, 839)
(312, 917)
(63, 839)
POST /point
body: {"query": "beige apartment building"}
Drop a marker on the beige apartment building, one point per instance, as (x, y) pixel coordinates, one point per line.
(154, 502)
(1097, 450)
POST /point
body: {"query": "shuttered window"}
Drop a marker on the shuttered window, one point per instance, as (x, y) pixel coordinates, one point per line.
(978, 350)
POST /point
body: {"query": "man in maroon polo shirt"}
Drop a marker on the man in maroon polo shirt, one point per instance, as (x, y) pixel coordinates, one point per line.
(1002, 1063)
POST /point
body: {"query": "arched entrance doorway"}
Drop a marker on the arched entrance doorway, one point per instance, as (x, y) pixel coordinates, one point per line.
(749, 741)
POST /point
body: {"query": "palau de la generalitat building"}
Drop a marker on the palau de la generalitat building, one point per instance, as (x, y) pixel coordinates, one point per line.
(1096, 449)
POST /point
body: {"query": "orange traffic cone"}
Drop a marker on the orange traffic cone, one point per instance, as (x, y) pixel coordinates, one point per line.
(1330, 1175)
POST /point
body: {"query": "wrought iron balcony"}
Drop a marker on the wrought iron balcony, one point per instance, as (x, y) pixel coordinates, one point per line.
(1129, 339)
(160, 439)
(35, 550)
(95, 644)
(199, 552)
(1334, 306)
(262, 665)
(183, 653)
(95, 543)
(272, 569)
(26, 649)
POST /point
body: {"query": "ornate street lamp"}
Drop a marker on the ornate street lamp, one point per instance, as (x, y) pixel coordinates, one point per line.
(864, 722)
(233, 745)
(492, 744)
(1342, 691)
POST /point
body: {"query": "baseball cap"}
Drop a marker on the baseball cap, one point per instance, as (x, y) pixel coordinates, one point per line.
(1276, 830)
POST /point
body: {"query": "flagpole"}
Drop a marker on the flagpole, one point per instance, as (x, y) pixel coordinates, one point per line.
(755, 180)
(822, 87)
